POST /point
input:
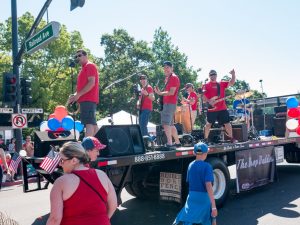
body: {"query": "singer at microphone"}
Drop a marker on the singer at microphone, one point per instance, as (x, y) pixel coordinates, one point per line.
(87, 92)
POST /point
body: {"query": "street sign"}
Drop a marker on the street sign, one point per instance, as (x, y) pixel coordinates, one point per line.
(32, 110)
(43, 37)
(19, 120)
(7, 110)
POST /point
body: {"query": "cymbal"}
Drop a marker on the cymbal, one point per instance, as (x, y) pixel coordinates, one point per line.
(244, 95)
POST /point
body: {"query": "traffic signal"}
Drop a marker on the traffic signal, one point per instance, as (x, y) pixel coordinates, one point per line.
(76, 3)
(9, 89)
(26, 91)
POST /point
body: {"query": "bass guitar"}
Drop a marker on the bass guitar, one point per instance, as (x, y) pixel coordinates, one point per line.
(214, 100)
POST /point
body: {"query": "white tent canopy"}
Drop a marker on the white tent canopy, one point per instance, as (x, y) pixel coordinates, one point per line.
(124, 118)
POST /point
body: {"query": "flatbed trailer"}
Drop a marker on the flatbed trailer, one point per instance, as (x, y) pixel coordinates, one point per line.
(140, 174)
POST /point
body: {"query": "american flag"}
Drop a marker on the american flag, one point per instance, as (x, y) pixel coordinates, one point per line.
(51, 161)
(14, 163)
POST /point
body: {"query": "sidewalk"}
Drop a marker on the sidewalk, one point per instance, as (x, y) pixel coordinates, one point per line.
(18, 182)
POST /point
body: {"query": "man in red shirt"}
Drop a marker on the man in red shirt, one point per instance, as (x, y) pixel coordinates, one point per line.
(214, 95)
(145, 104)
(87, 92)
(192, 100)
(170, 96)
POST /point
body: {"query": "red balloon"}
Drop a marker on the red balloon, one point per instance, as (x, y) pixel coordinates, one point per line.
(60, 112)
(60, 129)
(293, 113)
(298, 130)
(51, 116)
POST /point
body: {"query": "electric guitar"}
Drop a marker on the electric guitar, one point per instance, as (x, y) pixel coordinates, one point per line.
(214, 100)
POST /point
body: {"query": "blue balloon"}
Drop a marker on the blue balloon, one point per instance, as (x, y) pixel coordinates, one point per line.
(292, 102)
(54, 124)
(79, 126)
(67, 123)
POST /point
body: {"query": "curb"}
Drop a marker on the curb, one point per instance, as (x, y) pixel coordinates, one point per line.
(17, 182)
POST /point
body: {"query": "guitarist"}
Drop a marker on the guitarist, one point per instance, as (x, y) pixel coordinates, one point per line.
(170, 96)
(213, 91)
(145, 104)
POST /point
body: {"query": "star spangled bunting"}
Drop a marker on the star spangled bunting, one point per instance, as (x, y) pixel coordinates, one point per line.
(14, 163)
(51, 161)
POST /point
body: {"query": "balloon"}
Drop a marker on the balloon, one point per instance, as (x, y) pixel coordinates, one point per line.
(44, 126)
(76, 133)
(60, 129)
(292, 102)
(54, 124)
(293, 112)
(79, 126)
(51, 116)
(60, 112)
(298, 130)
(23, 153)
(67, 123)
(292, 124)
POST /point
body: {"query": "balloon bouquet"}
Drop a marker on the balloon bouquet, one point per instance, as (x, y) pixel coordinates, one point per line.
(60, 121)
(293, 112)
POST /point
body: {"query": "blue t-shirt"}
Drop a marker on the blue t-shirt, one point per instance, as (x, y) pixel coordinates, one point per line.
(236, 103)
(199, 172)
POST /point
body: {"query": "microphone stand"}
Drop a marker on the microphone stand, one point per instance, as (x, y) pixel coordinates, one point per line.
(264, 98)
(72, 65)
(110, 93)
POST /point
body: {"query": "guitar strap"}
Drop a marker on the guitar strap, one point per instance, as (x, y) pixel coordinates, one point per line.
(218, 89)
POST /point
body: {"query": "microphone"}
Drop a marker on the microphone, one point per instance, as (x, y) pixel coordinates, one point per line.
(72, 63)
(182, 89)
(260, 81)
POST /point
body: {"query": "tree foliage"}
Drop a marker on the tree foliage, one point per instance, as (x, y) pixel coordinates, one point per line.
(124, 59)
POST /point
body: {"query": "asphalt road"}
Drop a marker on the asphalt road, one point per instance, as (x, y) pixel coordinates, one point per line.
(274, 204)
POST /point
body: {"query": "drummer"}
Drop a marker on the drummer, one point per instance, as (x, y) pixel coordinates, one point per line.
(192, 100)
(241, 106)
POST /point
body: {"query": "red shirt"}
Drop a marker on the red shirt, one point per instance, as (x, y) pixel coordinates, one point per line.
(211, 90)
(173, 82)
(85, 206)
(194, 96)
(147, 102)
(88, 70)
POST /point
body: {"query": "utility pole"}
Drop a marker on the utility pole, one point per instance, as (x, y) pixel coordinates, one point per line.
(17, 55)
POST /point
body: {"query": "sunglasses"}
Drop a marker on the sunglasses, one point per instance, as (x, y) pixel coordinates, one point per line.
(63, 160)
(212, 75)
(78, 56)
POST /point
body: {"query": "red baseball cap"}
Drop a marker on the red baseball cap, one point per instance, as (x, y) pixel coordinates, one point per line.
(90, 143)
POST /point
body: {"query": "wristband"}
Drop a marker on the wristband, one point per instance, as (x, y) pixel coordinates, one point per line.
(213, 208)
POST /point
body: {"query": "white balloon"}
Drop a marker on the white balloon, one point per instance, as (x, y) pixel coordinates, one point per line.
(76, 132)
(44, 126)
(292, 124)
(23, 153)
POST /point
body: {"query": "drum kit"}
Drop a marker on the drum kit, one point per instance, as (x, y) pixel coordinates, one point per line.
(247, 113)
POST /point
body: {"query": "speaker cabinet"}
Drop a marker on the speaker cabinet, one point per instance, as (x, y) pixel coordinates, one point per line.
(239, 132)
(279, 126)
(121, 140)
(259, 122)
(44, 139)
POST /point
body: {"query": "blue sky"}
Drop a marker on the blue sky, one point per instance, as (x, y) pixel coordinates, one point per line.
(260, 39)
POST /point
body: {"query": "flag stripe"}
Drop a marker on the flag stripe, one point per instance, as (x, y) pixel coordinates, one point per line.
(50, 162)
(14, 163)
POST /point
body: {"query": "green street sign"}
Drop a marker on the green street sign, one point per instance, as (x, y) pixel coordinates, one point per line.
(43, 37)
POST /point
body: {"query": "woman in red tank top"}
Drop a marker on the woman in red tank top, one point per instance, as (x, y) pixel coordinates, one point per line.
(82, 195)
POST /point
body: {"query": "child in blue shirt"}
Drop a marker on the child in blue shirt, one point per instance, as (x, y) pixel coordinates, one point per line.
(200, 206)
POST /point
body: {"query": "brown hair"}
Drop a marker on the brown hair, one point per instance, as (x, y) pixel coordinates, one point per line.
(73, 149)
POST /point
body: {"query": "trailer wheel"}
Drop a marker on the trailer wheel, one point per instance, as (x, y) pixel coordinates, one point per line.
(221, 180)
(142, 184)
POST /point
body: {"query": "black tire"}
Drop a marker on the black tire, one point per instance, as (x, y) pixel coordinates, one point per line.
(140, 187)
(221, 180)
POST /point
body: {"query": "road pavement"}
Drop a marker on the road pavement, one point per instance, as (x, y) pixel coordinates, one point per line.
(274, 204)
